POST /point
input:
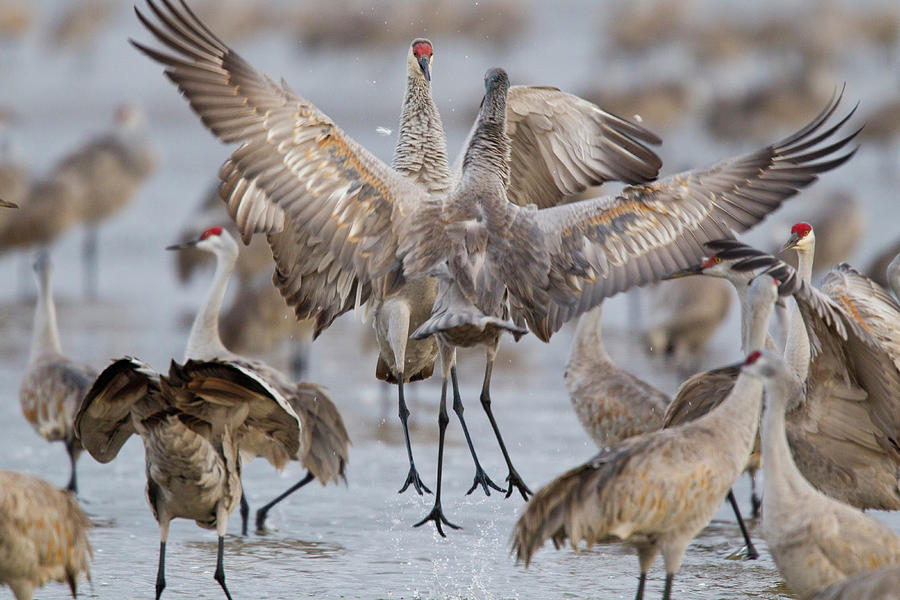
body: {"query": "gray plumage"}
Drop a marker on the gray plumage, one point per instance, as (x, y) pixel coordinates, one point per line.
(843, 434)
(324, 440)
(421, 156)
(342, 228)
(43, 535)
(611, 403)
(53, 385)
(814, 539)
(655, 491)
(192, 422)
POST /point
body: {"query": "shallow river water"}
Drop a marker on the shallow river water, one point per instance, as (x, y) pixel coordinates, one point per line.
(354, 540)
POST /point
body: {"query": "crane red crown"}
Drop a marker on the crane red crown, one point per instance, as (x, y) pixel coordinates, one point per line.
(210, 232)
(754, 356)
(802, 229)
(420, 48)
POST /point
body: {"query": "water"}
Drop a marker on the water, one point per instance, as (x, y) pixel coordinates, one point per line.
(353, 541)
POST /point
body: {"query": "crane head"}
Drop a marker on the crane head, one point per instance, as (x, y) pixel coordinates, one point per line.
(801, 237)
(214, 239)
(421, 57)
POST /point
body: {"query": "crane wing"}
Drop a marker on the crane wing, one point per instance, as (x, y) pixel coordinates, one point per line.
(563, 144)
(850, 363)
(603, 246)
(874, 351)
(103, 422)
(332, 210)
(213, 384)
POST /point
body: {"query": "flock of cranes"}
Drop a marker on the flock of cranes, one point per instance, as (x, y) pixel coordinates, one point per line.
(453, 257)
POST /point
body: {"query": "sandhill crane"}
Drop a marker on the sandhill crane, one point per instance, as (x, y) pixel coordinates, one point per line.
(81, 24)
(337, 218)
(110, 168)
(684, 315)
(324, 441)
(421, 156)
(654, 491)
(43, 535)
(192, 423)
(815, 540)
(612, 404)
(840, 433)
(880, 584)
(53, 385)
(50, 207)
(698, 394)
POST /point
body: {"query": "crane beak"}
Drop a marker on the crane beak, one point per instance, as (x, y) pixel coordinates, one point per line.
(5, 204)
(183, 246)
(686, 272)
(792, 242)
(425, 65)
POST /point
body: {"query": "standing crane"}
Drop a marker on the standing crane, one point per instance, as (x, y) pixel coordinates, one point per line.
(109, 169)
(815, 540)
(657, 490)
(53, 384)
(324, 441)
(43, 535)
(192, 422)
(613, 405)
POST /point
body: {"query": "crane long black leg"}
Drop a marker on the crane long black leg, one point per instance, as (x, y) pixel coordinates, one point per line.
(752, 554)
(640, 591)
(667, 591)
(245, 510)
(755, 501)
(89, 256)
(481, 478)
(220, 567)
(413, 477)
(73, 479)
(264, 511)
(161, 571)
(437, 513)
(514, 479)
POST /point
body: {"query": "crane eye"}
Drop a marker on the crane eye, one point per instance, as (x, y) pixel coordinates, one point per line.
(717, 260)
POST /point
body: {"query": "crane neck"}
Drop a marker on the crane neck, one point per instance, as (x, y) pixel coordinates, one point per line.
(762, 339)
(738, 414)
(784, 484)
(45, 336)
(796, 347)
(421, 151)
(588, 344)
(489, 149)
(204, 342)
